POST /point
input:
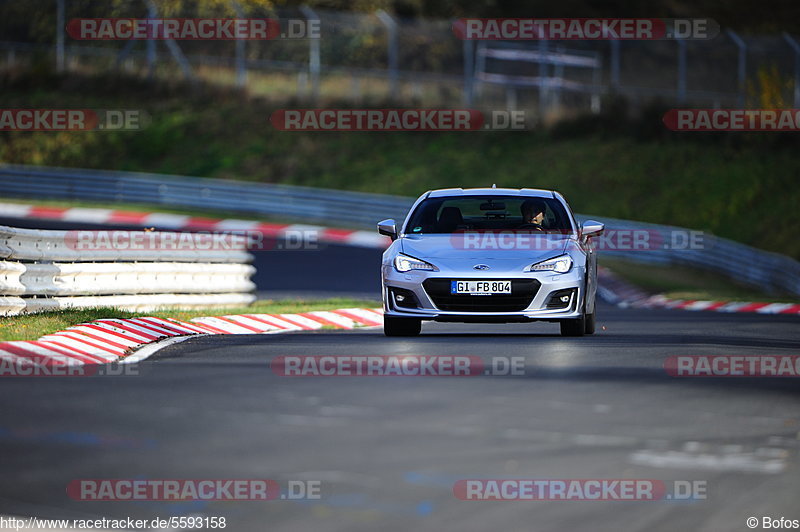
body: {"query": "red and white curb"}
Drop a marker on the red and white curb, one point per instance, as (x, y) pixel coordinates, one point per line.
(134, 339)
(659, 301)
(180, 222)
(624, 295)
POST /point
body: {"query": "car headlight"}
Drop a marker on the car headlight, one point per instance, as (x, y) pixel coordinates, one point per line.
(404, 263)
(560, 264)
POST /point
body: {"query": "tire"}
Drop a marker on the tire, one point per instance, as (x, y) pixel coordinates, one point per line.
(401, 326)
(590, 322)
(573, 327)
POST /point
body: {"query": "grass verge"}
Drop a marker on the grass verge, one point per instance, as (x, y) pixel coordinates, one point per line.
(34, 326)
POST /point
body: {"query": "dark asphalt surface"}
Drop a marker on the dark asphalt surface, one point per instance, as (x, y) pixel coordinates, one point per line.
(387, 450)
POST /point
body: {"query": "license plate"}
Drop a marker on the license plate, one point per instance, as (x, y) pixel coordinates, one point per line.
(483, 288)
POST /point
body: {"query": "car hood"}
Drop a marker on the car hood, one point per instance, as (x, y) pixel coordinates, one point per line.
(485, 246)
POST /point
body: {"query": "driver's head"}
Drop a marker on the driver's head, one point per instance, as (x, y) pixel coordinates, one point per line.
(533, 211)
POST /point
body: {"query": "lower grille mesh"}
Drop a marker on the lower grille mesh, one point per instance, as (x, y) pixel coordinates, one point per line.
(522, 293)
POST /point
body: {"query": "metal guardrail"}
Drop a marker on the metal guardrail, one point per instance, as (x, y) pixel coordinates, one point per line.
(768, 271)
(300, 203)
(115, 278)
(49, 270)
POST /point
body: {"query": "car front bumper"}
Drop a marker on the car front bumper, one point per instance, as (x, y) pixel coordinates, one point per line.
(425, 306)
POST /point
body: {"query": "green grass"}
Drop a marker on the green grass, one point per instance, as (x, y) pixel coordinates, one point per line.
(33, 326)
(678, 282)
(740, 186)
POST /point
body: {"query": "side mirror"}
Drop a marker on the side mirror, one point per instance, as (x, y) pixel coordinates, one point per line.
(591, 228)
(388, 228)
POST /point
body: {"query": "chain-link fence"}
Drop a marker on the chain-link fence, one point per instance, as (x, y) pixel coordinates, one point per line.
(363, 58)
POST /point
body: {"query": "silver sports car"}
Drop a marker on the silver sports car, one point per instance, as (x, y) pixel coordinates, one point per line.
(489, 255)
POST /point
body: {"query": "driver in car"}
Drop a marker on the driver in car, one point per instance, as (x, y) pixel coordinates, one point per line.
(532, 215)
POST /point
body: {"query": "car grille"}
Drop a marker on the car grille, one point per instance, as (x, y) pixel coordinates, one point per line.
(522, 293)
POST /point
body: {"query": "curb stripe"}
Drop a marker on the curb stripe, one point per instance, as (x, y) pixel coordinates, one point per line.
(101, 339)
(43, 349)
(360, 318)
(161, 329)
(239, 324)
(103, 330)
(272, 320)
(127, 217)
(321, 320)
(71, 354)
(331, 318)
(304, 323)
(83, 339)
(118, 339)
(130, 328)
(15, 349)
(66, 348)
(183, 326)
(221, 325)
(259, 326)
(208, 329)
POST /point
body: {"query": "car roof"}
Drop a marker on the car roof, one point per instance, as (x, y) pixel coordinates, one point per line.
(529, 192)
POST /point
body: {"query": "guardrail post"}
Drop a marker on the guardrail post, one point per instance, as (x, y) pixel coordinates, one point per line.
(241, 59)
(742, 74)
(511, 98)
(544, 93)
(392, 51)
(314, 61)
(681, 71)
(60, 24)
(796, 49)
(480, 67)
(469, 70)
(558, 74)
(151, 44)
(124, 53)
(596, 80)
(174, 49)
(615, 53)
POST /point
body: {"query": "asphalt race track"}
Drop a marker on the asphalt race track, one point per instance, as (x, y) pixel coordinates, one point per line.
(388, 450)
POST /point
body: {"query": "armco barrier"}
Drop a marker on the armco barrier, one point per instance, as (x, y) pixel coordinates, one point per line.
(768, 271)
(109, 278)
(301, 203)
(47, 270)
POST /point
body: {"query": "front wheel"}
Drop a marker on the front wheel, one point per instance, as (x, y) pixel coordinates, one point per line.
(401, 326)
(574, 327)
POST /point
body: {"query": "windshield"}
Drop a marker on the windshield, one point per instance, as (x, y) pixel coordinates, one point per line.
(489, 213)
